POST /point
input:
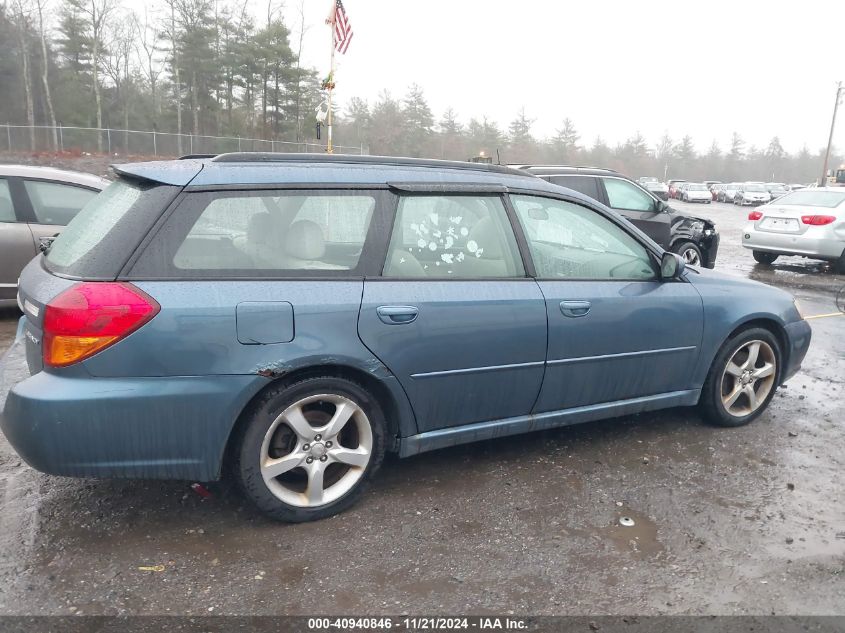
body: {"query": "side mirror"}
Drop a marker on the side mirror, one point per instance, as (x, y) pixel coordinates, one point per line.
(672, 266)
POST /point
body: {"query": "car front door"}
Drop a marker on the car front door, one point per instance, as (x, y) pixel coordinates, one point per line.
(454, 316)
(640, 207)
(616, 331)
(16, 245)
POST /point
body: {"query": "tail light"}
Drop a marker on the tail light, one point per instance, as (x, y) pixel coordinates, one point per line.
(89, 317)
(755, 215)
(818, 220)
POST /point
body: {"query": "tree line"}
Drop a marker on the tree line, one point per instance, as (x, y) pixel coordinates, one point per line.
(213, 67)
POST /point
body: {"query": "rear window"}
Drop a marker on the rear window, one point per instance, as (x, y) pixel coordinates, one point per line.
(98, 241)
(810, 198)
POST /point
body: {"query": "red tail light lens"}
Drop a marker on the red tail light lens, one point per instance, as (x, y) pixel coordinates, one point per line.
(89, 317)
(817, 220)
(755, 215)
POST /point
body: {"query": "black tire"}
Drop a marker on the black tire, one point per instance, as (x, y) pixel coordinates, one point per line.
(712, 407)
(762, 257)
(690, 252)
(839, 265)
(258, 419)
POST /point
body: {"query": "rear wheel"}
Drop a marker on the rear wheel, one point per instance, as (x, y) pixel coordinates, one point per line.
(839, 265)
(761, 257)
(308, 449)
(689, 252)
(743, 378)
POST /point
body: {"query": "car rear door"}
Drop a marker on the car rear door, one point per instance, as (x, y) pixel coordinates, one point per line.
(638, 206)
(616, 332)
(50, 206)
(16, 245)
(454, 315)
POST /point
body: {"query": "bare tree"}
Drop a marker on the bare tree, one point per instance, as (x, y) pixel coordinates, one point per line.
(121, 41)
(21, 11)
(97, 13)
(302, 30)
(41, 8)
(173, 35)
(146, 50)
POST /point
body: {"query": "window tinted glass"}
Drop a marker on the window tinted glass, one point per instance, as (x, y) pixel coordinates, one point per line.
(588, 185)
(54, 203)
(452, 236)
(622, 194)
(570, 241)
(297, 232)
(7, 211)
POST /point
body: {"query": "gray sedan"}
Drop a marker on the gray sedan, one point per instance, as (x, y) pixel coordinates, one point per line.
(810, 223)
(35, 203)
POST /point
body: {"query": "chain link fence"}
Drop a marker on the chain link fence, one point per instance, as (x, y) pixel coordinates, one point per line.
(45, 138)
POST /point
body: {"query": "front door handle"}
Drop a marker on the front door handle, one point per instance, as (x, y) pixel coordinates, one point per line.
(397, 315)
(575, 309)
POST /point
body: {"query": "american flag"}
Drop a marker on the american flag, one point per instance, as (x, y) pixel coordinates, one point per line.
(342, 27)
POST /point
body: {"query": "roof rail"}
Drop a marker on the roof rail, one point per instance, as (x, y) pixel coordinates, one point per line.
(195, 156)
(568, 167)
(277, 157)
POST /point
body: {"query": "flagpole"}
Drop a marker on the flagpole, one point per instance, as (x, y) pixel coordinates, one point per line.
(329, 148)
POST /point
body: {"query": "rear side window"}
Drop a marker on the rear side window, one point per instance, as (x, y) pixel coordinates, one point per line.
(263, 234)
(99, 240)
(462, 237)
(7, 211)
(55, 203)
(588, 185)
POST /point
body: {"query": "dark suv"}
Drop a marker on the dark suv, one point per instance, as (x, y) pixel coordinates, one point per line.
(693, 238)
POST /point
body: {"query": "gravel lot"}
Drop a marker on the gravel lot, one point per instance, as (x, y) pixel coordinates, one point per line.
(742, 521)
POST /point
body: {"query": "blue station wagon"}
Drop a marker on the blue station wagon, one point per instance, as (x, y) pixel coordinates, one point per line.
(292, 318)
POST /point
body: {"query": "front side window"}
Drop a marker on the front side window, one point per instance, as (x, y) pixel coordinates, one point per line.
(568, 241)
(7, 211)
(55, 203)
(466, 237)
(622, 194)
(292, 232)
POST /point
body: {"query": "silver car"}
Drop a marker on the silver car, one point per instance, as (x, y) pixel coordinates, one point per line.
(751, 193)
(810, 223)
(35, 203)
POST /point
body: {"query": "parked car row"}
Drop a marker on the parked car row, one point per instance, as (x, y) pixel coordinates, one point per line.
(291, 318)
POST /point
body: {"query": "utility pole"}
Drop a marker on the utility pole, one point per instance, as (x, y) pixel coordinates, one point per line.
(840, 90)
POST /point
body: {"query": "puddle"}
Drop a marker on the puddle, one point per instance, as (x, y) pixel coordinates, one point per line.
(640, 539)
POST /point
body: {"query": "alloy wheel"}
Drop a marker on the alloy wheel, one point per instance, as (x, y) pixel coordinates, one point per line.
(748, 378)
(691, 256)
(316, 450)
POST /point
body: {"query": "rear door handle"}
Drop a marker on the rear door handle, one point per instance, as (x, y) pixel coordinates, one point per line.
(575, 309)
(397, 315)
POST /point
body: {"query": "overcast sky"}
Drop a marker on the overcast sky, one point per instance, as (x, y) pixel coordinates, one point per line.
(614, 67)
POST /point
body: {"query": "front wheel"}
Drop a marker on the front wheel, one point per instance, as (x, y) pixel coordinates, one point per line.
(743, 378)
(308, 449)
(689, 251)
(761, 257)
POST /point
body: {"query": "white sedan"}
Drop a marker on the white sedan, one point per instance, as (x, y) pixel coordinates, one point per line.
(809, 223)
(696, 192)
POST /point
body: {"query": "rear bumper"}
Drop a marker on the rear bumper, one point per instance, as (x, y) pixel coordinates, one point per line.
(154, 428)
(798, 336)
(792, 244)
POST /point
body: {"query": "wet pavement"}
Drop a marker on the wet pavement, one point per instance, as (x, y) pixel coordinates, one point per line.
(725, 521)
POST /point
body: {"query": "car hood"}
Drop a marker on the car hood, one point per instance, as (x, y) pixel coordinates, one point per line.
(682, 218)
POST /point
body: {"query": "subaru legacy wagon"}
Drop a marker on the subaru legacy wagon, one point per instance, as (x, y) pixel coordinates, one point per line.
(292, 318)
